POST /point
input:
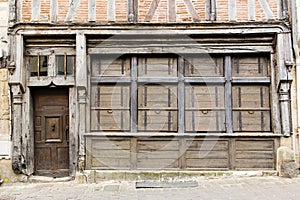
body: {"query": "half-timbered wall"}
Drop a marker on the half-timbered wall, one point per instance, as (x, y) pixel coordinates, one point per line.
(154, 11)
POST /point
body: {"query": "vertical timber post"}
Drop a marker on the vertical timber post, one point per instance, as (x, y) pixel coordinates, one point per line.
(81, 83)
(17, 159)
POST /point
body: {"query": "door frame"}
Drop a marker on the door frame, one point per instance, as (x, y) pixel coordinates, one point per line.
(28, 118)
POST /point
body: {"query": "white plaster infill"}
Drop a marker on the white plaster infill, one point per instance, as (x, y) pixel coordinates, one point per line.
(5, 150)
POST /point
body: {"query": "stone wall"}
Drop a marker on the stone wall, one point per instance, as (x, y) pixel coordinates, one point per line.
(5, 140)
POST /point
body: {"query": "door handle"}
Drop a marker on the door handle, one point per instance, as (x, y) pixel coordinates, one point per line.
(53, 128)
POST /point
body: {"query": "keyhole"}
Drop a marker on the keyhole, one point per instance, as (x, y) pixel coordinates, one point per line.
(53, 128)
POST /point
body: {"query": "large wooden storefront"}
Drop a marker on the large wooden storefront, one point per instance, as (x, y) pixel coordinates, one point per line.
(149, 85)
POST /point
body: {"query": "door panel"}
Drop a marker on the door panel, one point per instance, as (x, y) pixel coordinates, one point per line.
(51, 129)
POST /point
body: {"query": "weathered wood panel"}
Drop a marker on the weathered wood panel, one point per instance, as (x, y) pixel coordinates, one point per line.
(250, 67)
(157, 154)
(204, 66)
(251, 108)
(182, 153)
(207, 154)
(157, 108)
(109, 153)
(252, 154)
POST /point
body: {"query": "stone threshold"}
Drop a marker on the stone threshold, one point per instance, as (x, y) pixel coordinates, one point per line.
(44, 179)
(95, 176)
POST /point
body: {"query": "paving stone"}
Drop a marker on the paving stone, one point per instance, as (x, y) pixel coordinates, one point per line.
(267, 188)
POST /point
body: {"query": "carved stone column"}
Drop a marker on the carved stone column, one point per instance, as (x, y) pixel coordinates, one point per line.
(82, 126)
(17, 158)
(284, 99)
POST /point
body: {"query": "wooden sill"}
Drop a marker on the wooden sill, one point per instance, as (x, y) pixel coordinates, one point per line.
(158, 134)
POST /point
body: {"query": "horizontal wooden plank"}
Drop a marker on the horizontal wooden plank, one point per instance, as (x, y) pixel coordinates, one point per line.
(254, 154)
(110, 163)
(113, 154)
(157, 145)
(263, 145)
(216, 80)
(118, 80)
(207, 154)
(251, 80)
(207, 145)
(206, 163)
(158, 80)
(98, 144)
(158, 154)
(254, 164)
(157, 163)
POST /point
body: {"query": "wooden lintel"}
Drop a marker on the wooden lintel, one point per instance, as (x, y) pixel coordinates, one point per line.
(160, 29)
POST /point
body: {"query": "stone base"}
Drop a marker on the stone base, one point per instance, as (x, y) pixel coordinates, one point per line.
(96, 176)
(7, 174)
(289, 170)
(286, 164)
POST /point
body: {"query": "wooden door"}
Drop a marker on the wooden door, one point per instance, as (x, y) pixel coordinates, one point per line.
(51, 130)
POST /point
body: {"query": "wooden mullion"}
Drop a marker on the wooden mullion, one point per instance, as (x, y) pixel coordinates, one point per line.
(262, 113)
(38, 66)
(65, 65)
(98, 104)
(228, 95)
(217, 104)
(133, 102)
(240, 105)
(145, 112)
(181, 96)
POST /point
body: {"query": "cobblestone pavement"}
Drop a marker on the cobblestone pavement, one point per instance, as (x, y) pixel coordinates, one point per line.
(266, 188)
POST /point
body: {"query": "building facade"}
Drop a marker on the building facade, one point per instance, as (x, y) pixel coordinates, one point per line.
(141, 85)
